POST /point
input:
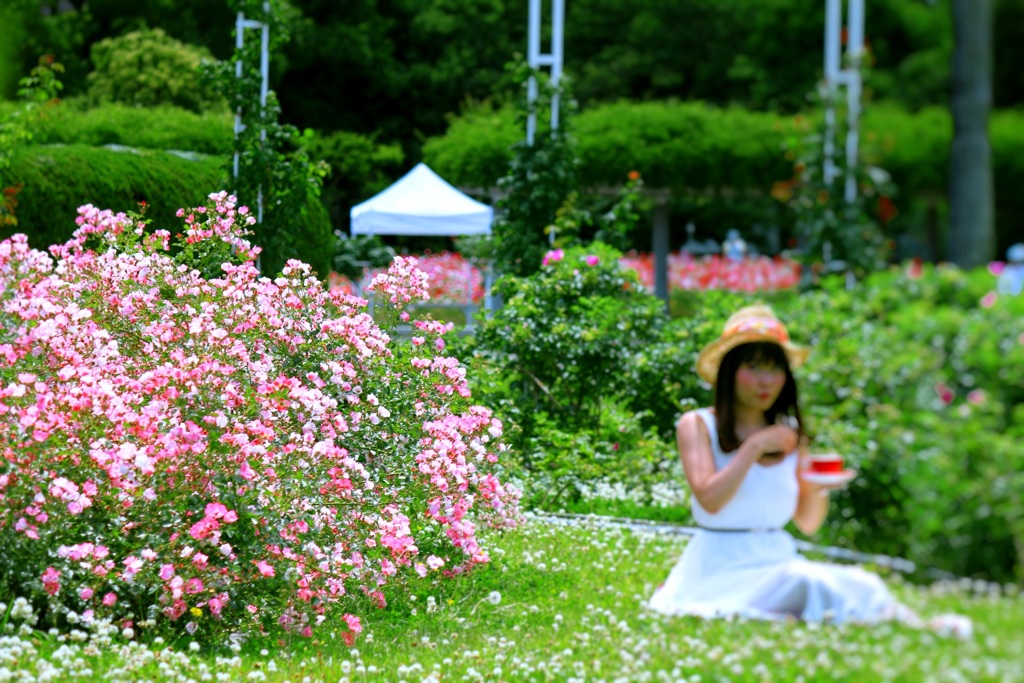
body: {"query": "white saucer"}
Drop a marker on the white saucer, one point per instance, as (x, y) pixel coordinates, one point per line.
(829, 478)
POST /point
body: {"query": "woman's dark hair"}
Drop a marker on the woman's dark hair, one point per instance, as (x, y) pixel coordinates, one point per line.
(725, 390)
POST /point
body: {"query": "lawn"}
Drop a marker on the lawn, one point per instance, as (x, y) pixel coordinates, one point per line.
(562, 603)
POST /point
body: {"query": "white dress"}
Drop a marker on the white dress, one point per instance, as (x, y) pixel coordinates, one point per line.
(758, 573)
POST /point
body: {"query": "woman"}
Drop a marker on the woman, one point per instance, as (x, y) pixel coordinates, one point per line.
(743, 460)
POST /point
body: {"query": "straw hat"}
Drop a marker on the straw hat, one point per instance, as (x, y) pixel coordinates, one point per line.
(749, 324)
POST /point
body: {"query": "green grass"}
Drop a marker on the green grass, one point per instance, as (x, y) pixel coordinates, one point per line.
(571, 609)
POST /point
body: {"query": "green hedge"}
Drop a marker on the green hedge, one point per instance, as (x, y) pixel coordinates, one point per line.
(59, 179)
(150, 128)
(693, 146)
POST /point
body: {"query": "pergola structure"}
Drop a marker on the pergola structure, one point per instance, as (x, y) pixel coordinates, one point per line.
(839, 74)
(836, 74)
(241, 23)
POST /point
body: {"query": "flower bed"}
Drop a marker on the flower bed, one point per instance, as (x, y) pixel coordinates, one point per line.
(230, 453)
(714, 272)
(454, 280)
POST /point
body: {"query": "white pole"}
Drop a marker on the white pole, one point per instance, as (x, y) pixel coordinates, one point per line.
(833, 22)
(854, 50)
(264, 88)
(533, 59)
(239, 43)
(855, 29)
(557, 54)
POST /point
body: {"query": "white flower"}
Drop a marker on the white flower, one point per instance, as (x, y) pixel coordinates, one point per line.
(494, 598)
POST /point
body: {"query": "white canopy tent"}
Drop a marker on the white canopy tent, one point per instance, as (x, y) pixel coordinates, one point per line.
(421, 203)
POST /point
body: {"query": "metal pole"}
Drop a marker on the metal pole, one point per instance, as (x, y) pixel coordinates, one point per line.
(536, 59)
(533, 59)
(854, 50)
(264, 88)
(833, 21)
(239, 43)
(660, 247)
(557, 54)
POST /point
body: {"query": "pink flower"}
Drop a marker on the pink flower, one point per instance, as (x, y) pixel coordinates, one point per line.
(552, 257)
(203, 528)
(593, 260)
(216, 604)
(215, 510)
(51, 580)
(989, 300)
(132, 566)
(86, 593)
(246, 471)
(976, 397)
(110, 599)
(265, 568)
(354, 624)
(946, 395)
(166, 571)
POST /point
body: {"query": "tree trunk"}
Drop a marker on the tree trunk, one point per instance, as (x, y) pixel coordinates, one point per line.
(972, 234)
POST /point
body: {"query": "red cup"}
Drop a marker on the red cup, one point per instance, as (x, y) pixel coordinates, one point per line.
(826, 463)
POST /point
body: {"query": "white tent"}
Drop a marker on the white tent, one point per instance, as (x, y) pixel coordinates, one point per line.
(421, 203)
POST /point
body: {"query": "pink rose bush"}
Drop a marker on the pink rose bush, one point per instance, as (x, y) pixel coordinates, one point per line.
(451, 278)
(230, 452)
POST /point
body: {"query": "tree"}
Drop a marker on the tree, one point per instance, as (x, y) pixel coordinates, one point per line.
(972, 235)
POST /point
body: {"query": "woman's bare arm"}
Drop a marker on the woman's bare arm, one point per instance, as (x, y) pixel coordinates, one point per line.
(713, 489)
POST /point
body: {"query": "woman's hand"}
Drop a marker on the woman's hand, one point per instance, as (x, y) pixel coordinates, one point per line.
(778, 439)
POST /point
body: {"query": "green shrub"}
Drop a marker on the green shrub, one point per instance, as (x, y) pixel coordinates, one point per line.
(162, 127)
(360, 168)
(561, 345)
(476, 149)
(58, 179)
(148, 68)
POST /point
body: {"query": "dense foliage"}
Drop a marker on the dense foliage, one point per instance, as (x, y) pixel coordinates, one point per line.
(915, 375)
(57, 179)
(149, 68)
(233, 454)
(360, 167)
(271, 169)
(560, 351)
(20, 125)
(74, 122)
(731, 157)
(540, 179)
(401, 66)
(834, 231)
